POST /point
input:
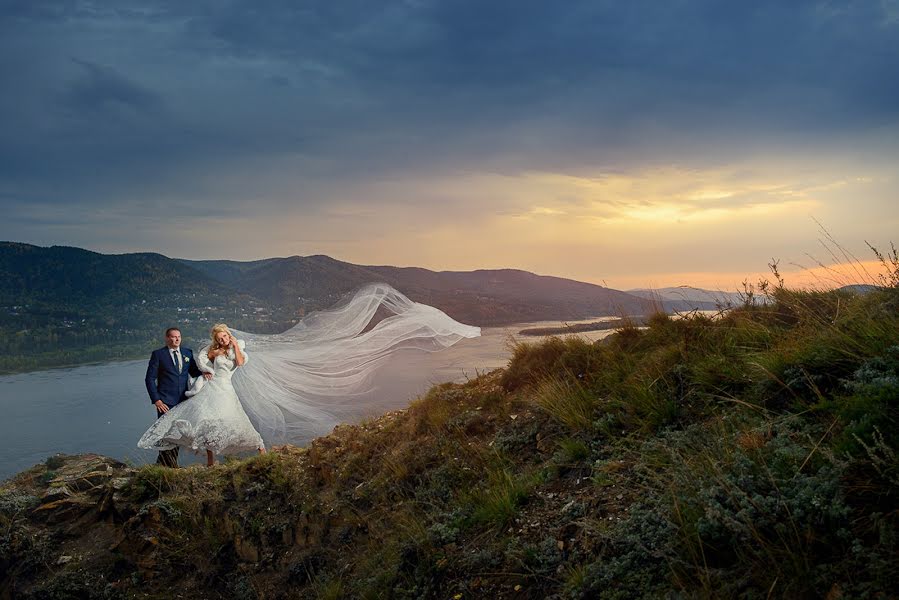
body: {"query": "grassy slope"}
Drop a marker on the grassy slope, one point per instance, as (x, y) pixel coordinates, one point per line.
(751, 455)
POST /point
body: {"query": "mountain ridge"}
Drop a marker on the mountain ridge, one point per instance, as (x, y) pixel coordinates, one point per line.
(515, 295)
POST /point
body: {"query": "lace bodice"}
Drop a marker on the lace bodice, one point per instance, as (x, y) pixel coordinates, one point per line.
(224, 365)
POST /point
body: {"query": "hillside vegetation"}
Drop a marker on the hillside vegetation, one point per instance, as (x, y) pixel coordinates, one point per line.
(749, 455)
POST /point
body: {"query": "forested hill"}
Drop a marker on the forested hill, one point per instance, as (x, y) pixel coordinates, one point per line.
(62, 275)
(481, 297)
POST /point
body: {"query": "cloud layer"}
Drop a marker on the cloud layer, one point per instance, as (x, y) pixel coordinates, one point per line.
(357, 128)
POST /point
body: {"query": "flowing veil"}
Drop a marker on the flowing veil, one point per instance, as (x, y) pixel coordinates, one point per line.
(295, 381)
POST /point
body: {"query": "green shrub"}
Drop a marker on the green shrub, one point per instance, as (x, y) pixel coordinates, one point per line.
(54, 462)
(871, 402)
(633, 561)
(573, 450)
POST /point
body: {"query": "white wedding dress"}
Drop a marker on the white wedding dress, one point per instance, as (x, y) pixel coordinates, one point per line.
(212, 418)
(305, 380)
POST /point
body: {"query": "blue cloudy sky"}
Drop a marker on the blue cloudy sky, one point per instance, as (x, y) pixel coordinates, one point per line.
(632, 143)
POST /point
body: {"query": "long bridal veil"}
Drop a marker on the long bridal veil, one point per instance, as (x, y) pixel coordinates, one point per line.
(296, 381)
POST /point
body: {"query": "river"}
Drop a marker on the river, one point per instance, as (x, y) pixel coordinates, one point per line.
(105, 408)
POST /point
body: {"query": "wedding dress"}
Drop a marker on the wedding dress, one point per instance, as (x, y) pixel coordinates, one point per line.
(302, 382)
(212, 417)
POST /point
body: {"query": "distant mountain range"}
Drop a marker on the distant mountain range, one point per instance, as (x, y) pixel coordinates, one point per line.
(685, 298)
(689, 298)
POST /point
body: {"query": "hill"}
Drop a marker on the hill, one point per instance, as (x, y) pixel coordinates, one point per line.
(481, 297)
(75, 277)
(752, 455)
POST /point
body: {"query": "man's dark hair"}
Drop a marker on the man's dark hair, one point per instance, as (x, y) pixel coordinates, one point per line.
(170, 330)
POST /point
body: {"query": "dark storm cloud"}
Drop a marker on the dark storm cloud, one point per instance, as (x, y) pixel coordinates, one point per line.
(102, 97)
(102, 89)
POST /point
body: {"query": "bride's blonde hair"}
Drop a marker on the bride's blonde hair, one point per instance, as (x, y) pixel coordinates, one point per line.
(217, 329)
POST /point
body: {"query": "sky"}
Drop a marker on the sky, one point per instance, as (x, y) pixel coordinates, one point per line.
(630, 144)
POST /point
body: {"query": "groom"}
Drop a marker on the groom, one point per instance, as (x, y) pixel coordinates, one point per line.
(167, 381)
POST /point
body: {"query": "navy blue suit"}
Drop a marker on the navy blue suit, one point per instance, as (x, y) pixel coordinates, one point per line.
(163, 380)
(165, 383)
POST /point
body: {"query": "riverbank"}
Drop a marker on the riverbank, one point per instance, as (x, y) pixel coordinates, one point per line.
(568, 328)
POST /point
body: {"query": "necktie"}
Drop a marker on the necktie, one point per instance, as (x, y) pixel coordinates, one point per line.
(177, 359)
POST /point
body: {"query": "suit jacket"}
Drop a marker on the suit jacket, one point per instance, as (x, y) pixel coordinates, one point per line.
(163, 380)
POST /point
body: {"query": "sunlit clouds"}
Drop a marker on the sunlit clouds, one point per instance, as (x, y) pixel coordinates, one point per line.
(657, 227)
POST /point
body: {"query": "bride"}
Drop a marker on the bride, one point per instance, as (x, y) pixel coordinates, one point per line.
(301, 382)
(213, 419)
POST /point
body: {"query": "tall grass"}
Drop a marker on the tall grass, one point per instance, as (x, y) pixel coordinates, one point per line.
(554, 357)
(568, 402)
(498, 503)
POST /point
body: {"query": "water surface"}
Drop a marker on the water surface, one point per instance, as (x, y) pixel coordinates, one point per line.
(105, 408)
